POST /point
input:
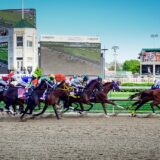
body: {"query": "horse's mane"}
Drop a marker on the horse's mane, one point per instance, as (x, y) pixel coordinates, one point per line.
(90, 83)
(106, 83)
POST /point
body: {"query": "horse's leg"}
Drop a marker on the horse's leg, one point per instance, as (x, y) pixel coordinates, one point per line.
(135, 103)
(81, 106)
(44, 109)
(79, 110)
(39, 105)
(6, 107)
(104, 108)
(21, 108)
(145, 100)
(14, 109)
(55, 110)
(154, 103)
(152, 108)
(157, 106)
(25, 111)
(91, 106)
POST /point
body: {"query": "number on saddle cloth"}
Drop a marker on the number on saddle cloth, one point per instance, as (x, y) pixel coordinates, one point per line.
(21, 93)
(78, 90)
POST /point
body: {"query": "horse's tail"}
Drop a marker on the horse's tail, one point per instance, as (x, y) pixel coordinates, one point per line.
(135, 95)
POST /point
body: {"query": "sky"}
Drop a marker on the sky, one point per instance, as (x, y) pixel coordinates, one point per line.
(127, 24)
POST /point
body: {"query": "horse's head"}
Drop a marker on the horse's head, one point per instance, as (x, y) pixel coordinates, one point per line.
(115, 85)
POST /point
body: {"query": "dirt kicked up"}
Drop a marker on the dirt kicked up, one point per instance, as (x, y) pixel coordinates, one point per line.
(80, 138)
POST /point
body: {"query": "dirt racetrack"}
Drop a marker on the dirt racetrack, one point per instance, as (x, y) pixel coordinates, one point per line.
(80, 138)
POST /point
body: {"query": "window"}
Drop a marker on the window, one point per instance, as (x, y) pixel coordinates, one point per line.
(29, 43)
(19, 41)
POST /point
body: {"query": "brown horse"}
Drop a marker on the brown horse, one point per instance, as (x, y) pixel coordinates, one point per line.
(54, 96)
(84, 97)
(144, 97)
(101, 96)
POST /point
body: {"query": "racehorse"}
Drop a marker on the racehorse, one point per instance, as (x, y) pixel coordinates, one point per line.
(7, 96)
(33, 99)
(101, 96)
(84, 97)
(144, 97)
(61, 92)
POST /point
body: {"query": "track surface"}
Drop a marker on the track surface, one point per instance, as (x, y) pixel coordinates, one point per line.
(79, 138)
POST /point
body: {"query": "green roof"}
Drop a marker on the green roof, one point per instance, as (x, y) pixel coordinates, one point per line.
(151, 50)
(23, 24)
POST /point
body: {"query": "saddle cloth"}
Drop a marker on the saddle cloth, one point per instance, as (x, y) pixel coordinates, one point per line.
(22, 93)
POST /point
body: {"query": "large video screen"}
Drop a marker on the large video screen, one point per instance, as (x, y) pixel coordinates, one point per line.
(75, 57)
(10, 17)
(86, 51)
(4, 52)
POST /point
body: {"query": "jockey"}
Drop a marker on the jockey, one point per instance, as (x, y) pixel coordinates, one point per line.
(68, 80)
(24, 81)
(33, 84)
(76, 82)
(99, 79)
(49, 79)
(156, 84)
(85, 80)
(3, 81)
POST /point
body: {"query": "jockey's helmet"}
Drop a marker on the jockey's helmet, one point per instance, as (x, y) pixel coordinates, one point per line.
(85, 78)
(51, 77)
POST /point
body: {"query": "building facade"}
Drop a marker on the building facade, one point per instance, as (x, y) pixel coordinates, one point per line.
(150, 62)
(18, 40)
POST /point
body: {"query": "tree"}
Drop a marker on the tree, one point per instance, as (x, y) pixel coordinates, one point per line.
(131, 65)
(38, 72)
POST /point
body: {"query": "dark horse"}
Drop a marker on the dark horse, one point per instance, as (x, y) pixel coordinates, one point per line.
(34, 98)
(144, 97)
(101, 96)
(84, 97)
(10, 97)
(61, 92)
